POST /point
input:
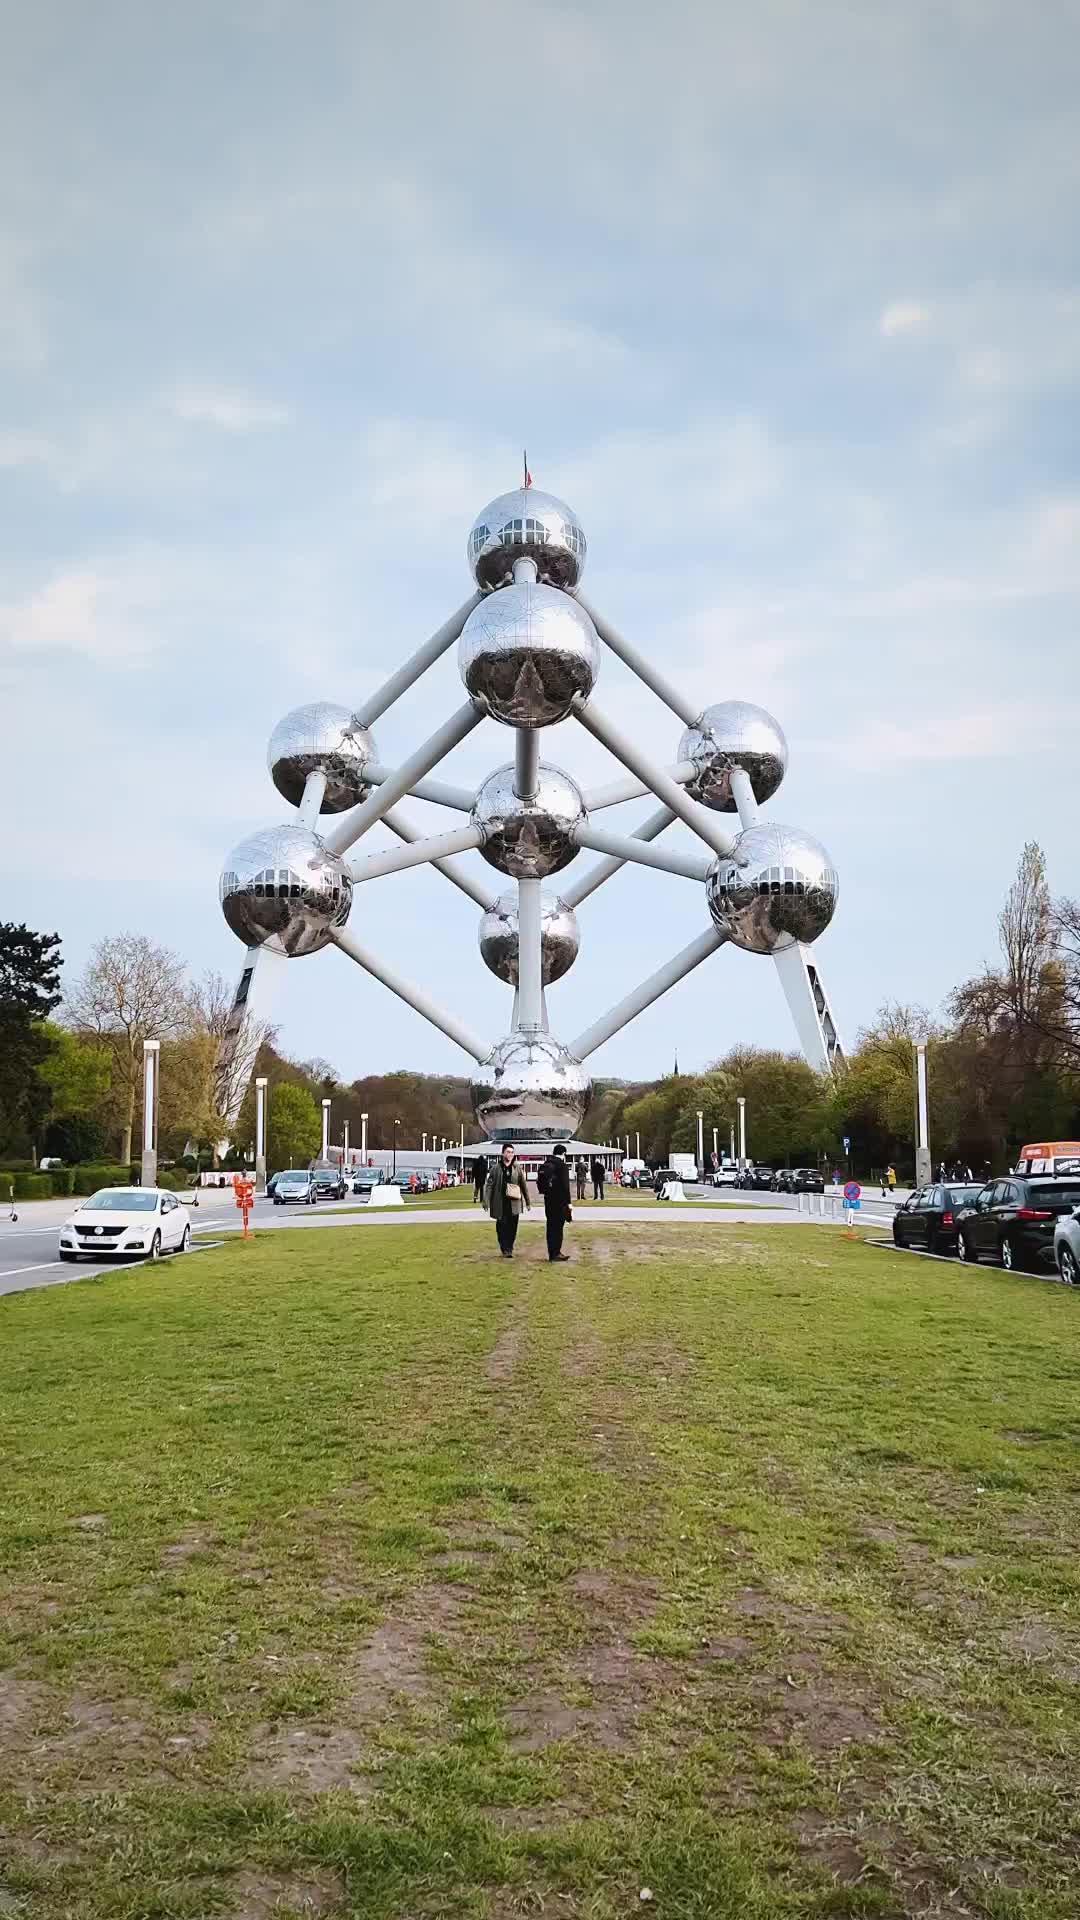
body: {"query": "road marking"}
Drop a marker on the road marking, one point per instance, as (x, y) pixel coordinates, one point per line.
(10, 1272)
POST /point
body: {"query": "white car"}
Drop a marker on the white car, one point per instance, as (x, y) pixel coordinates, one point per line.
(140, 1222)
(726, 1177)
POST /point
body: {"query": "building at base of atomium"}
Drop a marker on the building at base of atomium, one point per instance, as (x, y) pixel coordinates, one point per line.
(529, 650)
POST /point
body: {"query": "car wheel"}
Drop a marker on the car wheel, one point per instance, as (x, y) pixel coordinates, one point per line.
(968, 1251)
(1008, 1255)
(1066, 1266)
(276, 1201)
(70, 1258)
(185, 1244)
(155, 1247)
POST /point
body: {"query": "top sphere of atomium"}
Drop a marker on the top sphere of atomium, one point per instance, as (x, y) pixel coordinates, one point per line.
(526, 525)
(734, 734)
(776, 887)
(528, 652)
(322, 738)
(284, 888)
(530, 1087)
(528, 839)
(559, 938)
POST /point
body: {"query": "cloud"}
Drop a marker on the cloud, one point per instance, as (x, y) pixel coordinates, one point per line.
(73, 613)
(903, 317)
(231, 409)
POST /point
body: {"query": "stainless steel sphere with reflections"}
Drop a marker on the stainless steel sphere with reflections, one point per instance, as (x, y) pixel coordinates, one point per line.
(284, 888)
(526, 524)
(321, 738)
(734, 734)
(527, 652)
(559, 937)
(528, 839)
(777, 886)
(530, 1087)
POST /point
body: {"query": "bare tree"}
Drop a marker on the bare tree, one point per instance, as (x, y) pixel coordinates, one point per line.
(221, 1016)
(1025, 926)
(130, 991)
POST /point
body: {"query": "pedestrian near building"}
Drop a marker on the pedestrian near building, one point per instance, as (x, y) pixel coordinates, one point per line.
(506, 1197)
(553, 1179)
(479, 1177)
(597, 1178)
(891, 1178)
(580, 1176)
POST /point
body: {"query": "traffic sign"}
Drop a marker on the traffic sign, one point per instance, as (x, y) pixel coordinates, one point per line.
(854, 1205)
(847, 1143)
(852, 1193)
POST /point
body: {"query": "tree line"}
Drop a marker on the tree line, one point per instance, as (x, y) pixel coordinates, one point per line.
(1003, 1066)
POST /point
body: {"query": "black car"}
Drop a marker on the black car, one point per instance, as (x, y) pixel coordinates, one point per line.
(328, 1183)
(928, 1218)
(762, 1179)
(785, 1180)
(1013, 1220)
(807, 1180)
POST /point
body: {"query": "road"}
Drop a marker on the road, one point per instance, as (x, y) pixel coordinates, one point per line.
(29, 1256)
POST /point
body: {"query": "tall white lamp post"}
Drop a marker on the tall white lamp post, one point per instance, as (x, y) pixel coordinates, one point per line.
(151, 1053)
(325, 1153)
(363, 1139)
(701, 1140)
(924, 1172)
(741, 1104)
(260, 1132)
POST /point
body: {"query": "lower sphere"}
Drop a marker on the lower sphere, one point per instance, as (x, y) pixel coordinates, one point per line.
(530, 1087)
(321, 738)
(559, 937)
(284, 888)
(776, 887)
(734, 734)
(528, 839)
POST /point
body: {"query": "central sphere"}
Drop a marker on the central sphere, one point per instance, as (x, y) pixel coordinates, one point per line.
(776, 887)
(559, 937)
(528, 839)
(734, 734)
(528, 651)
(526, 525)
(321, 738)
(284, 888)
(530, 1087)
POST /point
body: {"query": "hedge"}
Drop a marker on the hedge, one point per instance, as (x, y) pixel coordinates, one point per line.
(89, 1179)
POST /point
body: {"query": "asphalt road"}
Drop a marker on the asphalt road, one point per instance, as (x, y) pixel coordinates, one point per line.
(29, 1254)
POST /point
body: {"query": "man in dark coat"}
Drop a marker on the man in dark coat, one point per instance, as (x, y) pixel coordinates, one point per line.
(580, 1175)
(598, 1178)
(479, 1176)
(556, 1201)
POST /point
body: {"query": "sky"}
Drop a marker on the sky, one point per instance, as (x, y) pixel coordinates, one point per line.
(783, 299)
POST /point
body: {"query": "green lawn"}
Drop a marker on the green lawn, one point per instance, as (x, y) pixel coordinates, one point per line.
(364, 1573)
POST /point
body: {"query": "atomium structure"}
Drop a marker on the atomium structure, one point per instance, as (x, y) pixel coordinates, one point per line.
(530, 649)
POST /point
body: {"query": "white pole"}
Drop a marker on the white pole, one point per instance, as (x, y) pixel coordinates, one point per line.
(530, 955)
(442, 792)
(260, 1131)
(618, 791)
(743, 795)
(413, 996)
(697, 818)
(417, 853)
(603, 870)
(650, 990)
(423, 1148)
(311, 802)
(687, 712)
(325, 1130)
(526, 762)
(923, 1168)
(405, 830)
(637, 1145)
(701, 1140)
(741, 1104)
(351, 825)
(732, 1142)
(424, 657)
(345, 1146)
(625, 846)
(151, 1051)
(363, 1139)
(715, 1145)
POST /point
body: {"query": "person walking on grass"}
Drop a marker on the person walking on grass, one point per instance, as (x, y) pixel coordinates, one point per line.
(479, 1177)
(580, 1175)
(598, 1178)
(553, 1180)
(506, 1197)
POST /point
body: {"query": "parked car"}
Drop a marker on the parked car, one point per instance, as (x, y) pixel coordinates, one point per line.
(271, 1184)
(727, 1177)
(807, 1180)
(294, 1188)
(1067, 1247)
(762, 1179)
(365, 1178)
(928, 1219)
(660, 1176)
(329, 1183)
(136, 1222)
(785, 1177)
(1013, 1220)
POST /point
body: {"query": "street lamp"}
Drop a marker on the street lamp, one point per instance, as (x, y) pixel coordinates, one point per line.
(715, 1147)
(740, 1102)
(423, 1142)
(700, 1140)
(260, 1132)
(924, 1172)
(363, 1139)
(324, 1154)
(397, 1124)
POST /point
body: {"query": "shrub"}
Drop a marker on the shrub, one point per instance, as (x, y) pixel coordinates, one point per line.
(62, 1179)
(31, 1186)
(89, 1179)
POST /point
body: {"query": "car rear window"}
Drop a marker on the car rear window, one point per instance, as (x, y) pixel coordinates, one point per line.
(1060, 1194)
(958, 1196)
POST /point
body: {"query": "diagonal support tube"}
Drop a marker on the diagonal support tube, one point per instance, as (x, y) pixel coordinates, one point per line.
(405, 830)
(685, 709)
(417, 853)
(373, 708)
(630, 789)
(441, 792)
(697, 818)
(649, 990)
(588, 883)
(624, 846)
(351, 825)
(413, 996)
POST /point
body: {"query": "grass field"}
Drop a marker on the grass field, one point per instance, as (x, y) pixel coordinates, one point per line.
(364, 1573)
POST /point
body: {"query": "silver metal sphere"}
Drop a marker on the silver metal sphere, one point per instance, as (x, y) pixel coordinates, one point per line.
(734, 734)
(530, 1087)
(777, 886)
(321, 738)
(284, 888)
(528, 839)
(529, 525)
(559, 937)
(527, 652)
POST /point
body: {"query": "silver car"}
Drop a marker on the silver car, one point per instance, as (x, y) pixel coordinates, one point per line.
(1067, 1247)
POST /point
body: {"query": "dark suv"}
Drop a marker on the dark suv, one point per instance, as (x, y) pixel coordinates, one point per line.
(928, 1219)
(328, 1183)
(1013, 1220)
(807, 1180)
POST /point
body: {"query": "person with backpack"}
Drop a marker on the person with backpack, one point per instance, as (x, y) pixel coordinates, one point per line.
(506, 1197)
(553, 1181)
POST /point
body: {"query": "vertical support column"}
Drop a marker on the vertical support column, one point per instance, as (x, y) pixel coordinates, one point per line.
(716, 1145)
(151, 1055)
(924, 1172)
(731, 1148)
(700, 1140)
(260, 1132)
(345, 1145)
(324, 1154)
(530, 961)
(363, 1139)
(741, 1104)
